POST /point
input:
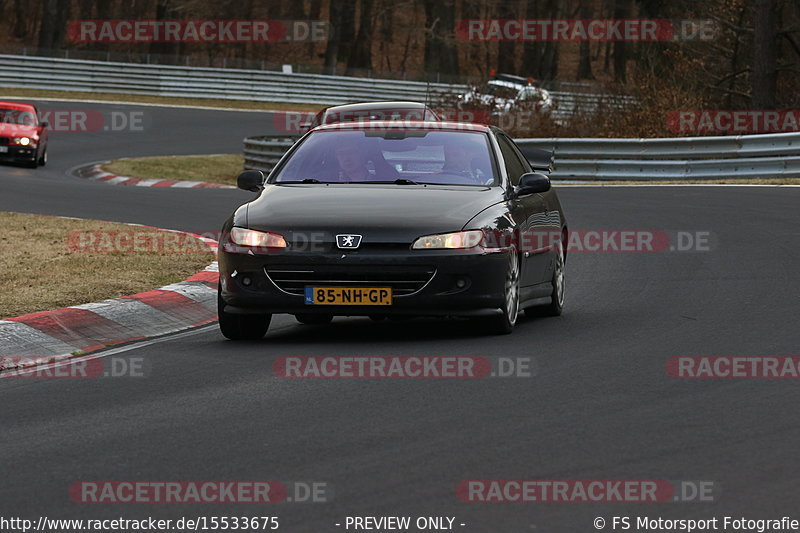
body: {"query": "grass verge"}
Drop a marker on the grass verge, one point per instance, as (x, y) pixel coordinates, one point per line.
(32, 94)
(213, 168)
(39, 271)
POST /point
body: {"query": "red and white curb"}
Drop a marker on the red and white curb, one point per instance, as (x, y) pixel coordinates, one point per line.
(96, 173)
(79, 329)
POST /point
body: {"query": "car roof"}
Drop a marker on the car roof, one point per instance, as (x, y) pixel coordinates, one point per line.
(18, 106)
(366, 106)
(504, 83)
(411, 124)
(513, 78)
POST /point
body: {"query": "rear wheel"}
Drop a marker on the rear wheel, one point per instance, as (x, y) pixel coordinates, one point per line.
(238, 327)
(503, 323)
(312, 319)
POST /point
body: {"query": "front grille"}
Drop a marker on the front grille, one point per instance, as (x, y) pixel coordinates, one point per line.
(404, 280)
(4, 141)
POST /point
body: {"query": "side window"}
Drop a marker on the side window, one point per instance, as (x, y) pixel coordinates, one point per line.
(516, 165)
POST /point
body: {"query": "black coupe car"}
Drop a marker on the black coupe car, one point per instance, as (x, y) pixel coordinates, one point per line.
(394, 218)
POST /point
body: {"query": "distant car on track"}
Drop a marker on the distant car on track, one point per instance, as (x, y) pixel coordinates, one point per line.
(506, 93)
(367, 111)
(372, 219)
(23, 137)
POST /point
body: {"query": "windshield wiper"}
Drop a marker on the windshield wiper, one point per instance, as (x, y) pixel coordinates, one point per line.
(399, 181)
(306, 180)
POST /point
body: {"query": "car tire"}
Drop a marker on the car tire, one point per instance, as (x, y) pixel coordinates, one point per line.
(43, 159)
(503, 324)
(238, 327)
(313, 319)
(556, 305)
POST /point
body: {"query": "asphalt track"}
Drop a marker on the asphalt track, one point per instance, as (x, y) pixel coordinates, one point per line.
(601, 405)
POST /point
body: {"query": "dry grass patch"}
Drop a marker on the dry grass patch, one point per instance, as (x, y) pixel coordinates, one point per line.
(32, 94)
(213, 168)
(38, 271)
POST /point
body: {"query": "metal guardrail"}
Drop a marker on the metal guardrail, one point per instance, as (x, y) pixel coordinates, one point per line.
(241, 84)
(197, 82)
(743, 156)
(263, 153)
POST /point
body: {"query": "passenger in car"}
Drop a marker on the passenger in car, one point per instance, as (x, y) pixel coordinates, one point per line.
(354, 164)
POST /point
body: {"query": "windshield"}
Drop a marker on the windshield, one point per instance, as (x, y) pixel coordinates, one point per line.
(403, 156)
(499, 91)
(17, 116)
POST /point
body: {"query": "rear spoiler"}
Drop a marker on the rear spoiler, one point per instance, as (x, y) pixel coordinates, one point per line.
(538, 158)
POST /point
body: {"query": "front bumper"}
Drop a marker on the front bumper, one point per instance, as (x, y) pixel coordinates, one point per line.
(460, 283)
(18, 153)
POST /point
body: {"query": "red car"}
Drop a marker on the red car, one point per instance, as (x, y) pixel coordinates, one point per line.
(23, 137)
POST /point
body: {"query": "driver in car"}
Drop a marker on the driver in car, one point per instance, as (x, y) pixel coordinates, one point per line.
(352, 163)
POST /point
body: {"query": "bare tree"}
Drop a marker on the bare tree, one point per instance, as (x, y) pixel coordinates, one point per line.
(361, 56)
(622, 10)
(53, 26)
(440, 49)
(765, 75)
(585, 56)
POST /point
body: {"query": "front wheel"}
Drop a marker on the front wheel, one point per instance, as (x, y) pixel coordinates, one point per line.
(43, 158)
(503, 323)
(238, 327)
(556, 305)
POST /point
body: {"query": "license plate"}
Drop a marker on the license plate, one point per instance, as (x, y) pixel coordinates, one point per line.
(348, 296)
(3, 149)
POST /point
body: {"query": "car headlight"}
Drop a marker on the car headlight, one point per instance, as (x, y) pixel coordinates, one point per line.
(259, 239)
(460, 239)
(22, 141)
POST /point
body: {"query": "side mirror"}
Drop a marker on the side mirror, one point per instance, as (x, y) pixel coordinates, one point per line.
(532, 183)
(251, 180)
(44, 124)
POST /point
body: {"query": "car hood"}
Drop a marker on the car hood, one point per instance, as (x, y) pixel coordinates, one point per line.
(17, 130)
(381, 213)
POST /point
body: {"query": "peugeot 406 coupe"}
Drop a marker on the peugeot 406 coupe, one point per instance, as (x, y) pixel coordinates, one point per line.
(394, 219)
